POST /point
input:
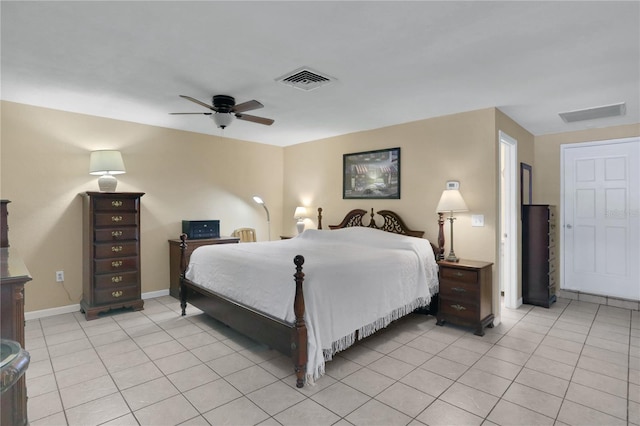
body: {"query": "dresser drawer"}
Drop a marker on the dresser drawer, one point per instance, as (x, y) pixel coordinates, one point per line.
(463, 311)
(458, 275)
(116, 249)
(116, 234)
(115, 281)
(115, 219)
(116, 294)
(458, 290)
(121, 204)
(106, 266)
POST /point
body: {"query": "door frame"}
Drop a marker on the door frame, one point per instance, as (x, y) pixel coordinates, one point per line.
(508, 258)
(563, 152)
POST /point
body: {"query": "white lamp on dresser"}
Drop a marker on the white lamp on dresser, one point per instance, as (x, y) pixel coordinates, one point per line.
(106, 164)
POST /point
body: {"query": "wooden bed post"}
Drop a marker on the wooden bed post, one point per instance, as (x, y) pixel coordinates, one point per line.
(183, 271)
(319, 217)
(440, 254)
(299, 333)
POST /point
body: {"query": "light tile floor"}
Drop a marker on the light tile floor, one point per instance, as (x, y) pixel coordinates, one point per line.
(574, 364)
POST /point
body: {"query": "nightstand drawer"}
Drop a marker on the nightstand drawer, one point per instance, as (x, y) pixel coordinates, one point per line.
(115, 219)
(459, 290)
(106, 266)
(116, 280)
(116, 234)
(459, 275)
(116, 294)
(463, 311)
(116, 249)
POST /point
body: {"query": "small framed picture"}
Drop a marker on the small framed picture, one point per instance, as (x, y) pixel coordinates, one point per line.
(371, 174)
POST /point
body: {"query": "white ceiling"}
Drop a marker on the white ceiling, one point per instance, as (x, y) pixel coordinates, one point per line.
(393, 62)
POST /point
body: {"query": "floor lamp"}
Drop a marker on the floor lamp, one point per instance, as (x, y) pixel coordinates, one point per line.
(259, 201)
(451, 201)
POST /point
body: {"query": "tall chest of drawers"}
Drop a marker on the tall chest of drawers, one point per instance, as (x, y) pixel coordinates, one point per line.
(539, 254)
(111, 252)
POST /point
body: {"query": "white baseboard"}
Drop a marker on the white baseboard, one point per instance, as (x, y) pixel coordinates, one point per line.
(154, 294)
(43, 313)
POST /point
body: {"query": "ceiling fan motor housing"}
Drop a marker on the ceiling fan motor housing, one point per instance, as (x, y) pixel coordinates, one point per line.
(223, 103)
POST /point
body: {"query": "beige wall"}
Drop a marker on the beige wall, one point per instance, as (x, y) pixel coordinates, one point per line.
(459, 147)
(454, 147)
(44, 166)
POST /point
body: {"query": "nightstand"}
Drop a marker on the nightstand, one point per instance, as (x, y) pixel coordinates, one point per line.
(174, 258)
(465, 294)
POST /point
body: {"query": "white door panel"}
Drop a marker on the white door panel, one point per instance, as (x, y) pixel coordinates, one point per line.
(601, 220)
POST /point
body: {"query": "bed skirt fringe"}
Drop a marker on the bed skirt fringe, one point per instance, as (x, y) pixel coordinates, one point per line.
(366, 331)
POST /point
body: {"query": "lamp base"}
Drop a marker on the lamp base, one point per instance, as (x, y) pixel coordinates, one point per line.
(452, 258)
(300, 226)
(107, 183)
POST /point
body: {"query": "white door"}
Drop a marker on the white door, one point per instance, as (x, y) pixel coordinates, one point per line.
(601, 218)
(508, 216)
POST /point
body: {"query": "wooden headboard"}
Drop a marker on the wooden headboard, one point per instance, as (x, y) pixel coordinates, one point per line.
(392, 223)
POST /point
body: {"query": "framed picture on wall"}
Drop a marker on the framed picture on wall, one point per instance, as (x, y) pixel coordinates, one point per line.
(371, 174)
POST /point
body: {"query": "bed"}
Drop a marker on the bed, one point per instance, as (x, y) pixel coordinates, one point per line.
(338, 303)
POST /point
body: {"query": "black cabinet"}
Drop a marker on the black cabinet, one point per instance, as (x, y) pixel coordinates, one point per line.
(539, 254)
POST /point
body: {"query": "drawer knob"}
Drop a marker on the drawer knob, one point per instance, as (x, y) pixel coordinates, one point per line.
(459, 274)
(116, 234)
(458, 289)
(116, 263)
(116, 203)
(116, 293)
(116, 279)
(458, 307)
(116, 218)
(116, 249)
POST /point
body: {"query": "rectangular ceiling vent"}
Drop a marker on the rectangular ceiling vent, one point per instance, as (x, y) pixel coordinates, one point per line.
(305, 79)
(593, 113)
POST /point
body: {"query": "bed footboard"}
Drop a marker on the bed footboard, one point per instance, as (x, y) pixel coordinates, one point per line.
(287, 338)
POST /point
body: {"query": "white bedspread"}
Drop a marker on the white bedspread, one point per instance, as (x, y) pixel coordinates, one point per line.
(355, 279)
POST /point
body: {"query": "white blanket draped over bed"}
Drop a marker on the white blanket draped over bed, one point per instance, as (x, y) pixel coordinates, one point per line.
(355, 279)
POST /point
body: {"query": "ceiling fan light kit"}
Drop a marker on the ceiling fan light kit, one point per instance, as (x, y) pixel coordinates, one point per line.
(224, 109)
(222, 119)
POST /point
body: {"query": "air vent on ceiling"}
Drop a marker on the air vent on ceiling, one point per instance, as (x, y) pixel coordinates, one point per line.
(593, 113)
(305, 79)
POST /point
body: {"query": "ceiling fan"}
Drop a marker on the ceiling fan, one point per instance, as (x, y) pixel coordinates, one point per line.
(224, 109)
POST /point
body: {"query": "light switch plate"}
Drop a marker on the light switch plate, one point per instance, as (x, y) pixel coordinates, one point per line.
(477, 220)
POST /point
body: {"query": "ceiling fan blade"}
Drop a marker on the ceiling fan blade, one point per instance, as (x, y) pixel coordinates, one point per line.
(247, 106)
(198, 102)
(183, 113)
(254, 119)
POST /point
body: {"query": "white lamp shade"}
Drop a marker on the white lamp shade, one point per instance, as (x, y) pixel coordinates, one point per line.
(300, 212)
(222, 119)
(106, 162)
(451, 201)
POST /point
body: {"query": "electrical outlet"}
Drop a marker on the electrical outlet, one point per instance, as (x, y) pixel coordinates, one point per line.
(59, 276)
